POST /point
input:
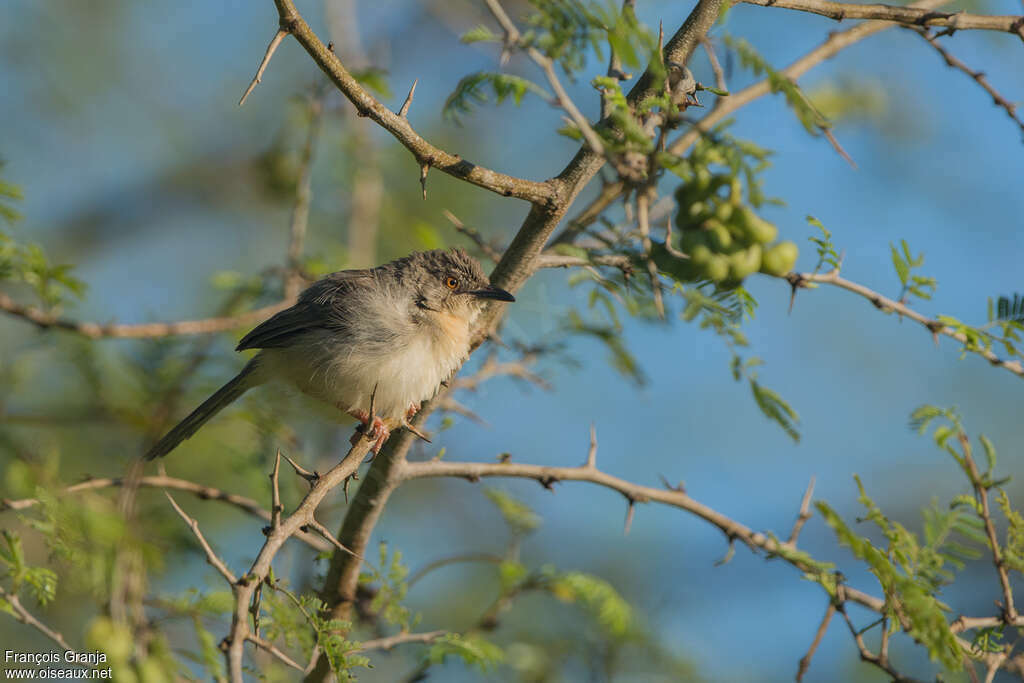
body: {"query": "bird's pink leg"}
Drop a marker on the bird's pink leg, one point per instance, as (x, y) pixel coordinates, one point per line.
(377, 432)
(411, 412)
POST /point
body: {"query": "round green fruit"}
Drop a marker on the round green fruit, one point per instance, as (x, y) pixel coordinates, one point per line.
(716, 268)
(718, 236)
(779, 259)
(744, 262)
(754, 228)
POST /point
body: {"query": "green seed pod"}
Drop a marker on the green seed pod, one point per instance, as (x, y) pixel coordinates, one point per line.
(716, 268)
(754, 228)
(735, 191)
(718, 236)
(700, 254)
(724, 212)
(744, 262)
(779, 259)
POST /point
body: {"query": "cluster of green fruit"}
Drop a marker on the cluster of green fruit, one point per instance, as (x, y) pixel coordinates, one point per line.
(725, 240)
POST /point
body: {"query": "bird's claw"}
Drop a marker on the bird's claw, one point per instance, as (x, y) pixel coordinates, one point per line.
(377, 432)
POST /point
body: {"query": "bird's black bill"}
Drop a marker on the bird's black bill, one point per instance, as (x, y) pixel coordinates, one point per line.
(492, 292)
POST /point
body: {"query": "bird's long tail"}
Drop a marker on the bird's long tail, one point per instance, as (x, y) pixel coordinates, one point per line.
(242, 382)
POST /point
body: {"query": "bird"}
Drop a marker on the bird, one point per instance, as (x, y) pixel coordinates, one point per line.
(375, 343)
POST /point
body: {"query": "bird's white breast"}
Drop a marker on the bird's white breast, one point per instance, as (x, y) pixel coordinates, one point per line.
(404, 372)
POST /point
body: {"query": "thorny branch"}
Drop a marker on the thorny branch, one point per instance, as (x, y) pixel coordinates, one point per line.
(977, 76)
(426, 154)
(45, 319)
(910, 16)
(883, 303)
(19, 612)
(200, 491)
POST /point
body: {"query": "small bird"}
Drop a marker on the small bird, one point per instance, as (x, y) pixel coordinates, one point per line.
(383, 338)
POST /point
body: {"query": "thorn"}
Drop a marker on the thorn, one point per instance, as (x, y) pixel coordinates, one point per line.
(423, 178)
(274, 42)
(404, 111)
(728, 553)
(408, 425)
(330, 46)
(630, 509)
(678, 488)
(592, 453)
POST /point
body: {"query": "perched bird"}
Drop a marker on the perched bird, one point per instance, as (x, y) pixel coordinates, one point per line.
(389, 335)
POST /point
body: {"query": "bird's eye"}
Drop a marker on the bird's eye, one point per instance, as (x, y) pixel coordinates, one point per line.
(451, 283)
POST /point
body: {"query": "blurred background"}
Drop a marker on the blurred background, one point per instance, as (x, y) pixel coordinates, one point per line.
(120, 122)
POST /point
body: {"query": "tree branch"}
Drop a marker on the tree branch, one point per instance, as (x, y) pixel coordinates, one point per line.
(936, 327)
(547, 476)
(910, 16)
(366, 104)
(44, 319)
(19, 612)
(164, 482)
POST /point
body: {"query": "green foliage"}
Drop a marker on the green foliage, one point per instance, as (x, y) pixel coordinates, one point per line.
(596, 595)
(813, 120)
(1013, 548)
(827, 254)
(40, 581)
(9, 194)
(776, 409)
(473, 90)
(390, 578)
(850, 99)
(622, 359)
(517, 515)
(911, 283)
(566, 30)
(988, 640)
(473, 649)
(480, 34)
(1011, 310)
(375, 79)
(624, 132)
(29, 265)
(908, 592)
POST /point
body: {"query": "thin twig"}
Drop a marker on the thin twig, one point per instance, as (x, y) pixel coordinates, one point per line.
(805, 514)
(303, 196)
(211, 556)
(805, 661)
(425, 153)
(981, 493)
(473, 234)
(978, 76)
(45, 319)
(273, 649)
(512, 37)
(164, 482)
(910, 16)
(274, 42)
(18, 611)
(399, 639)
(936, 327)
(453, 559)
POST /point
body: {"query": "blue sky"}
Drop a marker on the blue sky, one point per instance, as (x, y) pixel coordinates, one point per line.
(943, 170)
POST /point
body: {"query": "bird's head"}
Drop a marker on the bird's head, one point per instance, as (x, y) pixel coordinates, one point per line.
(451, 281)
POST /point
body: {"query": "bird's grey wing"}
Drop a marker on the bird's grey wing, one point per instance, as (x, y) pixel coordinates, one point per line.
(317, 308)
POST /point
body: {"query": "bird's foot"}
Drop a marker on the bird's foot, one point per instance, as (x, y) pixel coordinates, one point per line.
(377, 432)
(411, 412)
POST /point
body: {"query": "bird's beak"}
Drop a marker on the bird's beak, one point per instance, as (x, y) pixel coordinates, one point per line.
(492, 292)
